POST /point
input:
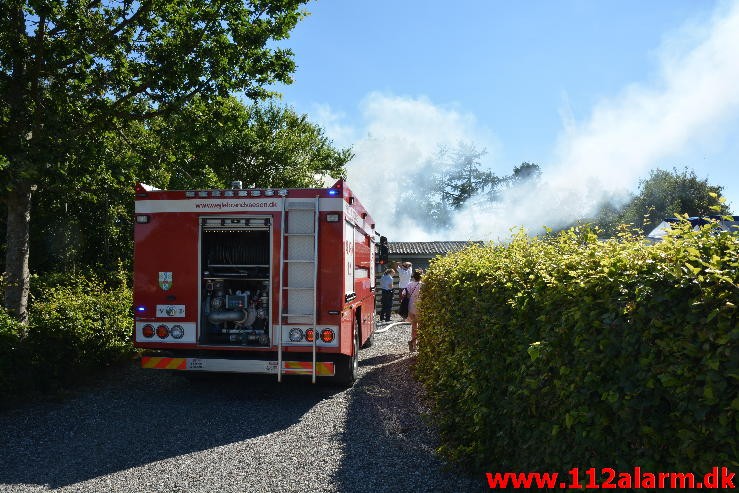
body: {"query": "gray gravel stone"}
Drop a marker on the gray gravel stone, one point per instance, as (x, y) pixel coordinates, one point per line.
(148, 431)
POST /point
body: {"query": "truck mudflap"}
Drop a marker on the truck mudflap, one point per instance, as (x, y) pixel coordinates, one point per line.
(323, 368)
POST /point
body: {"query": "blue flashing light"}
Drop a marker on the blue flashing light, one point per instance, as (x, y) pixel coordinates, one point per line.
(333, 192)
(141, 308)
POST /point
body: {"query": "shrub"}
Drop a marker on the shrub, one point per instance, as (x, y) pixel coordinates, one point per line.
(77, 324)
(13, 357)
(563, 351)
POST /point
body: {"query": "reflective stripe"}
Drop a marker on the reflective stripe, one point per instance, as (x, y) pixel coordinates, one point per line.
(323, 368)
(160, 363)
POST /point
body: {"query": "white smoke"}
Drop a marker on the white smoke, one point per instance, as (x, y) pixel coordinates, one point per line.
(401, 135)
(624, 137)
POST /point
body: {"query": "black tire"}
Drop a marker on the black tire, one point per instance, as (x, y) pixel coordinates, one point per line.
(370, 341)
(347, 367)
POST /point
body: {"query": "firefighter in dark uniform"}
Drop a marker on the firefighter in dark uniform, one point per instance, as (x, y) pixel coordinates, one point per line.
(386, 286)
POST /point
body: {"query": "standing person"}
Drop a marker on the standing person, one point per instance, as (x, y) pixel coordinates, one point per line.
(386, 285)
(405, 270)
(413, 291)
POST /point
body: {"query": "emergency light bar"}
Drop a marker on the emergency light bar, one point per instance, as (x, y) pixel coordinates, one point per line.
(269, 192)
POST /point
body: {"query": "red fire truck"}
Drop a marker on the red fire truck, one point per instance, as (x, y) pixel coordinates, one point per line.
(277, 281)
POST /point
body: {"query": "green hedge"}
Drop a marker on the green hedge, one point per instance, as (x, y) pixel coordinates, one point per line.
(77, 324)
(564, 351)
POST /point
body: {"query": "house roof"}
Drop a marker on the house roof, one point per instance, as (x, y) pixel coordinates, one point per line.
(427, 248)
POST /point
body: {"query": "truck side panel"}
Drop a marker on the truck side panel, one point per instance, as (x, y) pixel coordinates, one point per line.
(164, 276)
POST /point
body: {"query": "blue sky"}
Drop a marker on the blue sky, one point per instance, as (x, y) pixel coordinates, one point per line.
(595, 92)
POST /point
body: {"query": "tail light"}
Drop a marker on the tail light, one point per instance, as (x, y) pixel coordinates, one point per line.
(162, 331)
(148, 331)
(310, 334)
(327, 335)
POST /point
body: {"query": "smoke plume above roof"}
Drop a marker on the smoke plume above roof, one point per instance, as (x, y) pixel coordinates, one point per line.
(624, 136)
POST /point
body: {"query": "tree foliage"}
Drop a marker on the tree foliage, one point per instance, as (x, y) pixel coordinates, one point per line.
(462, 176)
(448, 181)
(84, 217)
(525, 172)
(662, 195)
(71, 72)
(444, 184)
(69, 67)
(264, 145)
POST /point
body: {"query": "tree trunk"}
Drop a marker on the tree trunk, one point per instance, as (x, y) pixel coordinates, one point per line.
(17, 275)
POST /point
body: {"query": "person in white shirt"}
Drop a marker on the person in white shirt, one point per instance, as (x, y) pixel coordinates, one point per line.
(405, 270)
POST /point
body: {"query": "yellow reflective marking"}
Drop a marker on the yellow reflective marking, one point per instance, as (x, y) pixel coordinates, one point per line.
(323, 368)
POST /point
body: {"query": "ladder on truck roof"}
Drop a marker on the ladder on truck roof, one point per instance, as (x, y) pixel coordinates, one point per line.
(299, 263)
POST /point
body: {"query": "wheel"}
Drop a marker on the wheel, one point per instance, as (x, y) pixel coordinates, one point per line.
(370, 340)
(347, 367)
(355, 356)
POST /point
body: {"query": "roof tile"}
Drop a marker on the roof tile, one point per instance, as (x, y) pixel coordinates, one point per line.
(427, 247)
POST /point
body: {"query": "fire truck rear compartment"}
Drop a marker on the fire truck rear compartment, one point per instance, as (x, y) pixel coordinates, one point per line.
(235, 282)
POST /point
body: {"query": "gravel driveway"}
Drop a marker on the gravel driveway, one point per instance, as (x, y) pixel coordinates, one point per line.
(146, 431)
